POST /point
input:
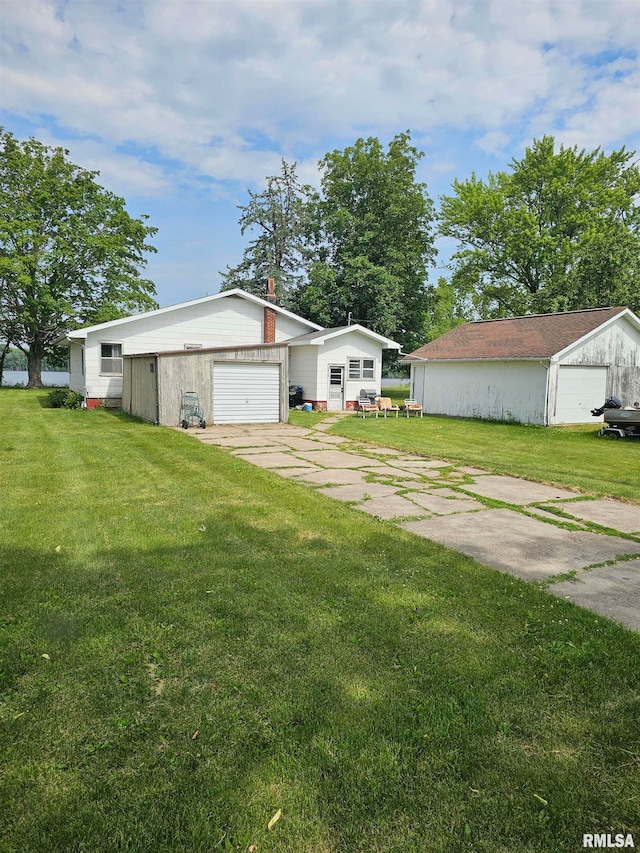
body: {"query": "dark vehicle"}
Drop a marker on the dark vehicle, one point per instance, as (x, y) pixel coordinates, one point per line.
(618, 421)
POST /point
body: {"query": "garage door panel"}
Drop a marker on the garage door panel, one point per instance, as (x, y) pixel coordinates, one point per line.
(580, 389)
(246, 393)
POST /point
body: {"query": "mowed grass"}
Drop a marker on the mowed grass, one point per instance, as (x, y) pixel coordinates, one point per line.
(190, 644)
(573, 456)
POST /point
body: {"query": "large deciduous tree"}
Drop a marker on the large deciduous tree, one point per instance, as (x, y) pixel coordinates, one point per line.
(278, 217)
(559, 231)
(70, 254)
(372, 241)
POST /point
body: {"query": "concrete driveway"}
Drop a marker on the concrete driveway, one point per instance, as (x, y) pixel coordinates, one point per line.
(583, 549)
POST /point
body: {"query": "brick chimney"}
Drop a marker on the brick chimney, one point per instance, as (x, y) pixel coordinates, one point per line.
(269, 323)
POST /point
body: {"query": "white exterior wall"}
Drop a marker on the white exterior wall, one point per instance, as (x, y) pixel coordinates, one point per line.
(232, 321)
(303, 370)
(617, 347)
(500, 390)
(309, 365)
(76, 379)
(337, 351)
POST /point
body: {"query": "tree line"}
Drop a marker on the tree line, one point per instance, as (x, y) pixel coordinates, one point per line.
(559, 229)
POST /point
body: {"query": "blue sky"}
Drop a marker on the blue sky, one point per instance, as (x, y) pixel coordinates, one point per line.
(182, 105)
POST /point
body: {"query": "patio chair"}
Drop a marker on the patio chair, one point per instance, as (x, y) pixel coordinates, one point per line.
(365, 405)
(385, 405)
(412, 407)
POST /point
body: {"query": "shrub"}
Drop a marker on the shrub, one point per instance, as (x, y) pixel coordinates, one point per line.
(62, 398)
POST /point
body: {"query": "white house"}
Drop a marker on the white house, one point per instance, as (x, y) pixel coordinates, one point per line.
(542, 369)
(229, 347)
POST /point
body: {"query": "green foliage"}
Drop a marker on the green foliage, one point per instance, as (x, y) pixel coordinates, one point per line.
(373, 241)
(279, 215)
(68, 249)
(63, 398)
(445, 310)
(560, 231)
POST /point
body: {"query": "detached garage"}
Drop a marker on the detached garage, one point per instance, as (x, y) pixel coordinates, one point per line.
(234, 384)
(544, 369)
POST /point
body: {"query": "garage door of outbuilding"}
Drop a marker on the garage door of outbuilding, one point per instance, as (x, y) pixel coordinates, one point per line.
(580, 389)
(246, 393)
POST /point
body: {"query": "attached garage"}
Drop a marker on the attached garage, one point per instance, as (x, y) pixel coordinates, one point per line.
(246, 392)
(542, 369)
(234, 384)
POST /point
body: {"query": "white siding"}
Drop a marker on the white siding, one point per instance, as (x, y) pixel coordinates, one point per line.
(618, 347)
(76, 379)
(618, 343)
(303, 370)
(232, 321)
(337, 351)
(494, 390)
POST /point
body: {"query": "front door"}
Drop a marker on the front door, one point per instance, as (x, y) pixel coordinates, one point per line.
(335, 397)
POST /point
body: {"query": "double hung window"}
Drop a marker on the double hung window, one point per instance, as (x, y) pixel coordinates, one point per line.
(111, 359)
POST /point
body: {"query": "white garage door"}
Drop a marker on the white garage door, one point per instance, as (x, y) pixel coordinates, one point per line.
(580, 389)
(246, 393)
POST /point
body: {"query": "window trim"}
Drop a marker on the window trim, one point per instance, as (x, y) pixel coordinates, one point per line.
(104, 372)
(371, 370)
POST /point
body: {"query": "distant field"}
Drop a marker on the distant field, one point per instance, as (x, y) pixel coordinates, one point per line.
(191, 645)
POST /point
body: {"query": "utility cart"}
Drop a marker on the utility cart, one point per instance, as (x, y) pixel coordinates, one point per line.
(190, 410)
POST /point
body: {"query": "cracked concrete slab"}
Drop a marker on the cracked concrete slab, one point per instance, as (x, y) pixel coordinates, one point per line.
(358, 491)
(612, 591)
(523, 546)
(294, 473)
(389, 471)
(512, 490)
(272, 460)
(389, 508)
(250, 451)
(417, 462)
(619, 516)
(338, 476)
(335, 458)
(444, 505)
(543, 513)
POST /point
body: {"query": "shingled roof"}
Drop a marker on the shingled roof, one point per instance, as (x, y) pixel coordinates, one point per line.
(534, 336)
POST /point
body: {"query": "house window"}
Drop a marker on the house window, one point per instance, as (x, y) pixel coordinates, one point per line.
(111, 359)
(361, 368)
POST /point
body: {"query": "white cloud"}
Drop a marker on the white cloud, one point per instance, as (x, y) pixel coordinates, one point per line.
(224, 89)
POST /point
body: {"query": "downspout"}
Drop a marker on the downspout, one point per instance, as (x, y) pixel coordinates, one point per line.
(546, 365)
(155, 370)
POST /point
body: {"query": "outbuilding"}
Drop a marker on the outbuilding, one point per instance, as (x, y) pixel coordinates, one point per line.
(541, 369)
(245, 384)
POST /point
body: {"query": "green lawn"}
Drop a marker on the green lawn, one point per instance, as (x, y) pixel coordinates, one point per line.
(575, 457)
(189, 644)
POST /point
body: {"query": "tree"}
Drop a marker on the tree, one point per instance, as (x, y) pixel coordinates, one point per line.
(445, 310)
(279, 214)
(560, 231)
(372, 241)
(69, 251)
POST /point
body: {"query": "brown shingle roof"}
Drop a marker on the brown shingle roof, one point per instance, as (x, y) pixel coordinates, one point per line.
(535, 336)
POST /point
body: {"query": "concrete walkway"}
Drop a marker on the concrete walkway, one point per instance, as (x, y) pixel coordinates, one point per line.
(580, 548)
